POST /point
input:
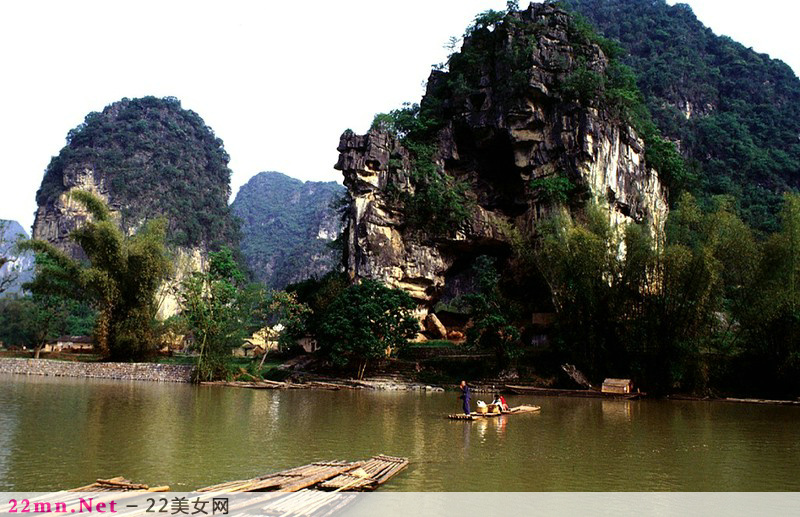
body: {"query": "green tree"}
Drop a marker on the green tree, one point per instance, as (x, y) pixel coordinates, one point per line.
(577, 259)
(771, 316)
(215, 313)
(318, 294)
(493, 327)
(367, 321)
(285, 309)
(121, 280)
(219, 312)
(35, 320)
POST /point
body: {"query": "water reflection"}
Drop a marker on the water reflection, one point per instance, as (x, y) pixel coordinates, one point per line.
(617, 410)
(57, 433)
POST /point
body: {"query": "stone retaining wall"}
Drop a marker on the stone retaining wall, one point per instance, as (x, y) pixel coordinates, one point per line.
(121, 371)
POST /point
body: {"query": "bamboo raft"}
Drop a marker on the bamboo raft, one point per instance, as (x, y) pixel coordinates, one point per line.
(345, 476)
(118, 484)
(513, 411)
(369, 476)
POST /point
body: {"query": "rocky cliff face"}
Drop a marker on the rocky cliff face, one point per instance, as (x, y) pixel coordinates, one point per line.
(56, 220)
(16, 268)
(287, 226)
(498, 140)
(147, 158)
(734, 111)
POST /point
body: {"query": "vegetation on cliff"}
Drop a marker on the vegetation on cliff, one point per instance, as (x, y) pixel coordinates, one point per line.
(735, 112)
(155, 159)
(287, 227)
(496, 66)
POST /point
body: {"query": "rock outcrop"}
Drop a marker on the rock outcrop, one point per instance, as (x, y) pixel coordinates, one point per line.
(435, 327)
(497, 139)
(55, 221)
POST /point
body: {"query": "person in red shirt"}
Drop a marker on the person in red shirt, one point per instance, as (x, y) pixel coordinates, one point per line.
(500, 402)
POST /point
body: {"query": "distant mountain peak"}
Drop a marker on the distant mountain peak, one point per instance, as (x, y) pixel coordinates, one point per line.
(287, 225)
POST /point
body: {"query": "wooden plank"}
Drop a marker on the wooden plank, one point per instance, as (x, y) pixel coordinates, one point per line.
(317, 477)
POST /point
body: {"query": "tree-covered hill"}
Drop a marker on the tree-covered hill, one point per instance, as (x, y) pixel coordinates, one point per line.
(148, 157)
(736, 112)
(287, 227)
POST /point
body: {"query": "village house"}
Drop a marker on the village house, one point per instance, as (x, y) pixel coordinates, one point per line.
(70, 343)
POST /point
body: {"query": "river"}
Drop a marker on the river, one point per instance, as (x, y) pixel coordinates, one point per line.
(58, 433)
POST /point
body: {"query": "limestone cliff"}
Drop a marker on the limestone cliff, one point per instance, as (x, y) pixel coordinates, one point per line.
(504, 122)
(147, 158)
(735, 111)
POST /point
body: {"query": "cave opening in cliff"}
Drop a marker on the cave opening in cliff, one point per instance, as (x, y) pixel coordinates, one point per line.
(519, 281)
(487, 153)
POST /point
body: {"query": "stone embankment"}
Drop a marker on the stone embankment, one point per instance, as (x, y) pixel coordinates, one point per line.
(120, 371)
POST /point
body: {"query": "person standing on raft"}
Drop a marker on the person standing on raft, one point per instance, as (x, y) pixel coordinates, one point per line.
(465, 396)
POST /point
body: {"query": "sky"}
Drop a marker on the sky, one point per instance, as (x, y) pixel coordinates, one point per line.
(277, 81)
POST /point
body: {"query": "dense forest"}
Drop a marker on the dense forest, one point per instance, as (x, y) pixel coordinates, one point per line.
(735, 112)
(156, 159)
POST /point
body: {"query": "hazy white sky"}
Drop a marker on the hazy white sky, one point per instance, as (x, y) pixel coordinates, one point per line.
(277, 81)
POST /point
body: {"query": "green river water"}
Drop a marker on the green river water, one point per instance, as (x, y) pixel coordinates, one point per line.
(62, 433)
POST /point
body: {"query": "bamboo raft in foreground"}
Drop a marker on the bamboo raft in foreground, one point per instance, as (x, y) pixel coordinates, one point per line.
(373, 473)
(342, 475)
(513, 411)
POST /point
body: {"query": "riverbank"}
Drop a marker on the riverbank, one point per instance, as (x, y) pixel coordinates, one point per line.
(376, 383)
(181, 373)
(161, 372)
(155, 372)
(164, 372)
